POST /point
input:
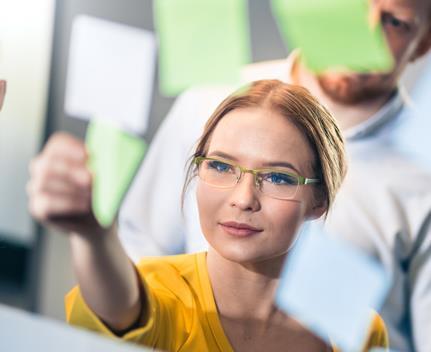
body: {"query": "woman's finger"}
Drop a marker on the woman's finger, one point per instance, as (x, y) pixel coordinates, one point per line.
(45, 206)
(46, 170)
(65, 146)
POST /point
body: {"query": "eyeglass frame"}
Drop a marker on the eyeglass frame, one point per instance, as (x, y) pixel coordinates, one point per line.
(197, 160)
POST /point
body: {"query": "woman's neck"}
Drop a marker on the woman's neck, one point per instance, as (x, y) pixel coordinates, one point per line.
(244, 291)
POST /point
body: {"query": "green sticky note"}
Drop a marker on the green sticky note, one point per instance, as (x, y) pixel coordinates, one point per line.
(115, 157)
(333, 34)
(201, 42)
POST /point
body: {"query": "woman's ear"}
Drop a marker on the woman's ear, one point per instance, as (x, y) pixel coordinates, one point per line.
(319, 205)
(317, 210)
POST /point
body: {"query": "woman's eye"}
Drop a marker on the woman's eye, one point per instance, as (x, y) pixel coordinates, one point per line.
(279, 178)
(219, 166)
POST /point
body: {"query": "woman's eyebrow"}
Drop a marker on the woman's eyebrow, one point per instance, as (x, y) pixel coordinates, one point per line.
(269, 164)
(281, 164)
(222, 155)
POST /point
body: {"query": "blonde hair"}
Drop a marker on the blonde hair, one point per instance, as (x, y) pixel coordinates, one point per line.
(305, 112)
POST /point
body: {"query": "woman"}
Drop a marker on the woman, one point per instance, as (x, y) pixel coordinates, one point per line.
(270, 158)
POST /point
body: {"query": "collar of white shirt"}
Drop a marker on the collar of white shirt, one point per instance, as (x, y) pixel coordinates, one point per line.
(282, 70)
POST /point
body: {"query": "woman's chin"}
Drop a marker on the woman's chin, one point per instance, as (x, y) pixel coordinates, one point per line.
(249, 256)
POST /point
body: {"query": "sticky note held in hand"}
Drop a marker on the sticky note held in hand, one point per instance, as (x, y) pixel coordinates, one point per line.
(333, 34)
(332, 288)
(201, 42)
(115, 157)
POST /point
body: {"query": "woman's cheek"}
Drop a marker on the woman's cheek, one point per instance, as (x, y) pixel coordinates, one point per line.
(286, 217)
(209, 200)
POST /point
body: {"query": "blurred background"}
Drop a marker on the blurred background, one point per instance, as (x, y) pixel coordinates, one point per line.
(35, 270)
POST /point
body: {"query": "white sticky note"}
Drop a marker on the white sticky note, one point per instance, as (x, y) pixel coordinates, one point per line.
(331, 288)
(110, 73)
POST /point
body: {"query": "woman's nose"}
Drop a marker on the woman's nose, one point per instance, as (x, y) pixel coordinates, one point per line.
(245, 194)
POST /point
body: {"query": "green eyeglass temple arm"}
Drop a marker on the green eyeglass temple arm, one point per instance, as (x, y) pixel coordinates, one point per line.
(302, 180)
(307, 181)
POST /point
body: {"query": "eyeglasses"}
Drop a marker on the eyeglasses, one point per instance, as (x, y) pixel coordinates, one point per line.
(273, 183)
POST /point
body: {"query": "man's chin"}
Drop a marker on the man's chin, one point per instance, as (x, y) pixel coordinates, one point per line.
(347, 89)
(355, 88)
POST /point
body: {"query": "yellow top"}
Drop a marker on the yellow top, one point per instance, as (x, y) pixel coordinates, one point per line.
(183, 313)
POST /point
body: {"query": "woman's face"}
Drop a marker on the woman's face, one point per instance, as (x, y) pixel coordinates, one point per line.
(241, 223)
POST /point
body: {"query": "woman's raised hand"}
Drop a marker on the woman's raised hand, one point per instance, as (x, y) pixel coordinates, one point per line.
(60, 185)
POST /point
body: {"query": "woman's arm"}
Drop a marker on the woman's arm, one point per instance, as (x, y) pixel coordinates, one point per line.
(60, 196)
(108, 280)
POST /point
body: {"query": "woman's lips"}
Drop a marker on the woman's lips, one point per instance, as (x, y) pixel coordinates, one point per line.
(239, 229)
